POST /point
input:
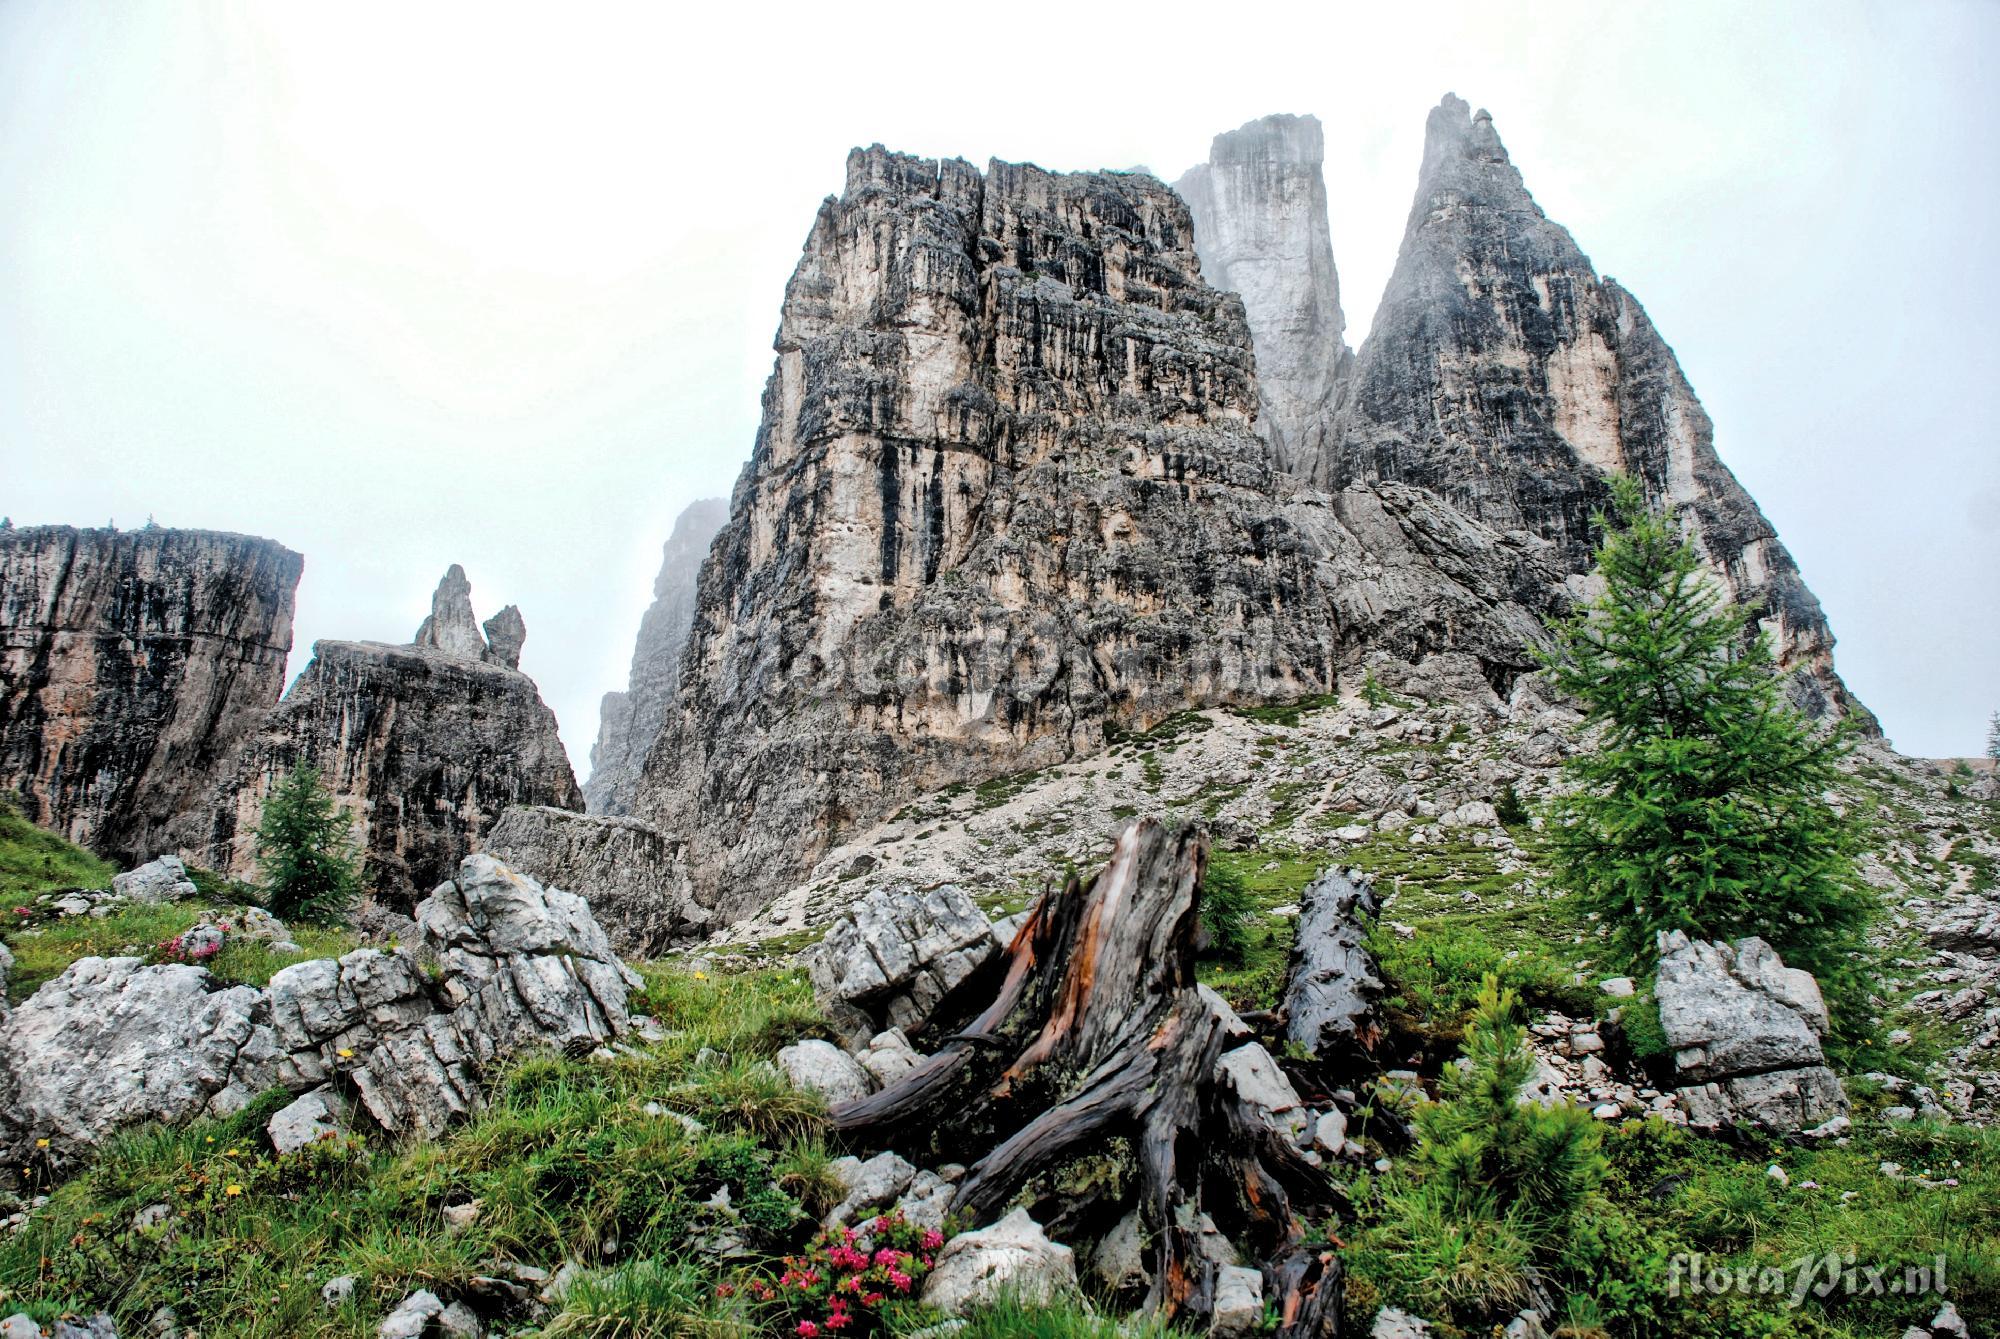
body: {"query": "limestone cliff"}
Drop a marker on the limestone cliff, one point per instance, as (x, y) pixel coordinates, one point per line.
(1260, 228)
(132, 663)
(629, 722)
(1504, 375)
(425, 744)
(1008, 498)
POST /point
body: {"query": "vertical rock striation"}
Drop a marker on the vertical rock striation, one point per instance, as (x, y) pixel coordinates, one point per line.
(132, 663)
(1260, 227)
(1008, 498)
(1503, 375)
(629, 722)
(425, 744)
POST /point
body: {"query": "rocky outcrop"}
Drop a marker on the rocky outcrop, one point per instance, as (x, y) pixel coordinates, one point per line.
(1007, 500)
(1260, 227)
(132, 664)
(629, 722)
(630, 872)
(1502, 374)
(893, 957)
(426, 745)
(113, 1042)
(1745, 1031)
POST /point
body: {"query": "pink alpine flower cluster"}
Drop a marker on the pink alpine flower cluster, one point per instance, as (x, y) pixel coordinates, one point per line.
(848, 1277)
(197, 945)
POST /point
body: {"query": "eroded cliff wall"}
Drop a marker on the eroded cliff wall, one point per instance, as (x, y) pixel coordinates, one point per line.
(1008, 497)
(132, 664)
(628, 722)
(424, 744)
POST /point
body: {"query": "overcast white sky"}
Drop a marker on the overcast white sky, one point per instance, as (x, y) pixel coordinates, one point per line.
(403, 285)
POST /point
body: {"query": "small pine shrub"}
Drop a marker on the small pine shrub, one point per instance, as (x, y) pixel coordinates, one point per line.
(1509, 808)
(1494, 1189)
(305, 851)
(1226, 909)
(1372, 691)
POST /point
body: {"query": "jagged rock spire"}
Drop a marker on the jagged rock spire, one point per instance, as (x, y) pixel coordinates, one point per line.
(506, 633)
(1503, 374)
(452, 627)
(1260, 221)
(629, 721)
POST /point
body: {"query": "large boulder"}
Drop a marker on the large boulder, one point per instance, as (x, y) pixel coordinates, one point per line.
(521, 966)
(1014, 1257)
(630, 872)
(113, 1042)
(1745, 1031)
(1332, 986)
(889, 960)
(162, 880)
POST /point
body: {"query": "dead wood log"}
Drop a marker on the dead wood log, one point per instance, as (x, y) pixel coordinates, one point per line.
(1098, 1029)
(1331, 986)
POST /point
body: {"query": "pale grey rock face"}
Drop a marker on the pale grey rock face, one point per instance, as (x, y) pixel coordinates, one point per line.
(629, 722)
(892, 957)
(632, 874)
(1008, 499)
(521, 966)
(1239, 1301)
(1260, 227)
(425, 748)
(506, 633)
(425, 745)
(821, 1067)
(112, 1042)
(162, 880)
(869, 1186)
(1745, 1031)
(1331, 993)
(319, 1114)
(412, 1316)
(132, 663)
(1252, 1075)
(1014, 1256)
(1505, 376)
(1394, 1323)
(451, 626)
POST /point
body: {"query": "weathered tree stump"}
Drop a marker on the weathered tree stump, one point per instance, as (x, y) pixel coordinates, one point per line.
(1098, 1029)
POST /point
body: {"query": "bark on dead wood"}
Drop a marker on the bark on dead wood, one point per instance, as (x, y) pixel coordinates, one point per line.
(1331, 987)
(1098, 1029)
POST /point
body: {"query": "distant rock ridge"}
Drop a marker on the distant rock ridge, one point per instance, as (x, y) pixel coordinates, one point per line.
(426, 744)
(1260, 227)
(132, 664)
(1501, 373)
(629, 722)
(1008, 499)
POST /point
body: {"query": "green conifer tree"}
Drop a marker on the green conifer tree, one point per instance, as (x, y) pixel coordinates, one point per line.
(305, 851)
(1705, 806)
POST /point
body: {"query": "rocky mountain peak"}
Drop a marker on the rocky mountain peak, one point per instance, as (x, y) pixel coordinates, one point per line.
(1501, 374)
(629, 721)
(1008, 499)
(1260, 219)
(451, 626)
(506, 633)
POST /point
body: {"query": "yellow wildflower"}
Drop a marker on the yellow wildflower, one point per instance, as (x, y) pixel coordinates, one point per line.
(231, 1153)
(344, 1053)
(41, 1143)
(701, 976)
(232, 1189)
